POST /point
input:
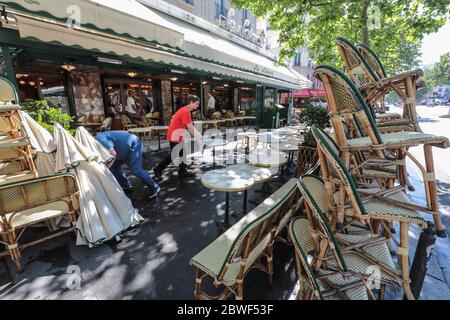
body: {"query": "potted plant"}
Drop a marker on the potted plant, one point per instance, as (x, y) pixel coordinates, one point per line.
(307, 153)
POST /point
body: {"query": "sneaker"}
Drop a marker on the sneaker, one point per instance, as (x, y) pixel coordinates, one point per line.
(155, 194)
(157, 174)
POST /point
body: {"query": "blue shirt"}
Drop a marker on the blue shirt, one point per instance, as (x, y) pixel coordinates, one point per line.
(121, 141)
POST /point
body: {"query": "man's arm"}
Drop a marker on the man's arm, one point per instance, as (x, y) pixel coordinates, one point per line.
(194, 132)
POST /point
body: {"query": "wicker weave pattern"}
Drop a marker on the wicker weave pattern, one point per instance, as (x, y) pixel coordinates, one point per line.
(7, 91)
(301, 233)
(27, 194)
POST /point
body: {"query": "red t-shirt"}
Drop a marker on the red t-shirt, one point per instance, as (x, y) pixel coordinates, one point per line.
(177, 127)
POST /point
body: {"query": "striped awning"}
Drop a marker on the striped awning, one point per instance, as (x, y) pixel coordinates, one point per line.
(130, 29)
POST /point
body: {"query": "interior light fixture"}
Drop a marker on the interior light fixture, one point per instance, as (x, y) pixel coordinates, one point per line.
(21, 75)
(108, 60)
(239, 81)
(22, 82)
(226, 85)
(68, 67)
(31, 83)
(177, 71)
(132, 74)
(173, 78)
(41, 83)
(217, 78)
(205, 82)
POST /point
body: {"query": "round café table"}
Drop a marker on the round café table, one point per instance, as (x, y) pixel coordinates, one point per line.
(227, 180)
(213, 143)
(267, 158)
(290, 147)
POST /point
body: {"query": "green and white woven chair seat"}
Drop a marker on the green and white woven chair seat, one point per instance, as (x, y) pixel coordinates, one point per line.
(38, 214)
(399, 140)
(302, 238)
(15, 177)
(7, 143)
(388, 116)
(336, 283)
(378, 174)
(8, 107)
(379, 209)
(378, 251)
(224, 251)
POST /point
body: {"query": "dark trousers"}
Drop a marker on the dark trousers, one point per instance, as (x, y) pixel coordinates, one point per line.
(168, 159)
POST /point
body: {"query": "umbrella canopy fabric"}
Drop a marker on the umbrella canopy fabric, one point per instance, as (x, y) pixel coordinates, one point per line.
(87, 140)
(42, 143)
(105, 213)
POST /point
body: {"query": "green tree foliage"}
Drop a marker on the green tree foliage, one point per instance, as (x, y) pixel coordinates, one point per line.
(312, 115)
(316, 24)
(46, 114)
(439, 74)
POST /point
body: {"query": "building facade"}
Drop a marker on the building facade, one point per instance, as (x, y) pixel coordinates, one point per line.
(92, 56)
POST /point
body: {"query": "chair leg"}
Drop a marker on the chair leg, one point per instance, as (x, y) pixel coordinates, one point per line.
(403, 259)
(431, 182)
(198, 283)
(14, 251)
(240, 290)
(270, 263)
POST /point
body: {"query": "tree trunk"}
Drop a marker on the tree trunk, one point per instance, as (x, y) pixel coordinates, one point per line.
(365, 28)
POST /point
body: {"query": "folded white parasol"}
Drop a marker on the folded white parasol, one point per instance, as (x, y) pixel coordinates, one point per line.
(42, 143)
(87, 140)
(105, 213)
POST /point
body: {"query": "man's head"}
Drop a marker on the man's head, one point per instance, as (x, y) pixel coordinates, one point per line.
(210, 94)
(193, 102)
(130, 93)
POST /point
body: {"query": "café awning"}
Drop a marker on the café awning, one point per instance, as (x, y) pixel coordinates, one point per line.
(172, 42)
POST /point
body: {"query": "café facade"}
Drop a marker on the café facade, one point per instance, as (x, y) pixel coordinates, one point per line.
(90, 56)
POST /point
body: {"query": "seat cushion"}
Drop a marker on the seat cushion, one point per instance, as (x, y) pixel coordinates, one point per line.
(38, 214)
(400, 139)
(381, 210)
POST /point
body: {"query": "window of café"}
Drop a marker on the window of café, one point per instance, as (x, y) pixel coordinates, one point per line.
(48, 87)
(269, 98)
(118, 91)
(247, 101)
(223, 93)
(181, 91)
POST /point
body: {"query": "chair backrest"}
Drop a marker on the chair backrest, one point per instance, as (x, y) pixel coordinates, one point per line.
(106, 125)
(8, 93)
(346, 179)
(355, 64)
(125, 120)
(346, 104)
(230, 114)
(216, 115)
(315, 195)
(373, 60)
(18, 196)
(242, 113)
(301, 235)
(252, 233)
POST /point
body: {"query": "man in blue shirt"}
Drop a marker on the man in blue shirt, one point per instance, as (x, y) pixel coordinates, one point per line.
(127, 148)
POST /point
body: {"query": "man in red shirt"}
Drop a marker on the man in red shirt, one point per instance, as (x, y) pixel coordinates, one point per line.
(181, 121)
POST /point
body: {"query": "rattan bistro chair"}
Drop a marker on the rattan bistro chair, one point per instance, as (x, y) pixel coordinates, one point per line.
(315, 283)
(31, 203)
(375, 85)
(378, 205)
(246, 245)
(353, 251)
(346, 103)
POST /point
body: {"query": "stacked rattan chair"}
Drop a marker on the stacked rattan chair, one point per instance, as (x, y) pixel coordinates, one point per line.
(368, 75)
(16, 158)
(347, 106)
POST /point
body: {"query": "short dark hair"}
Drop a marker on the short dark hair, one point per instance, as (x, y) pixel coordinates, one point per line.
(192, 98)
